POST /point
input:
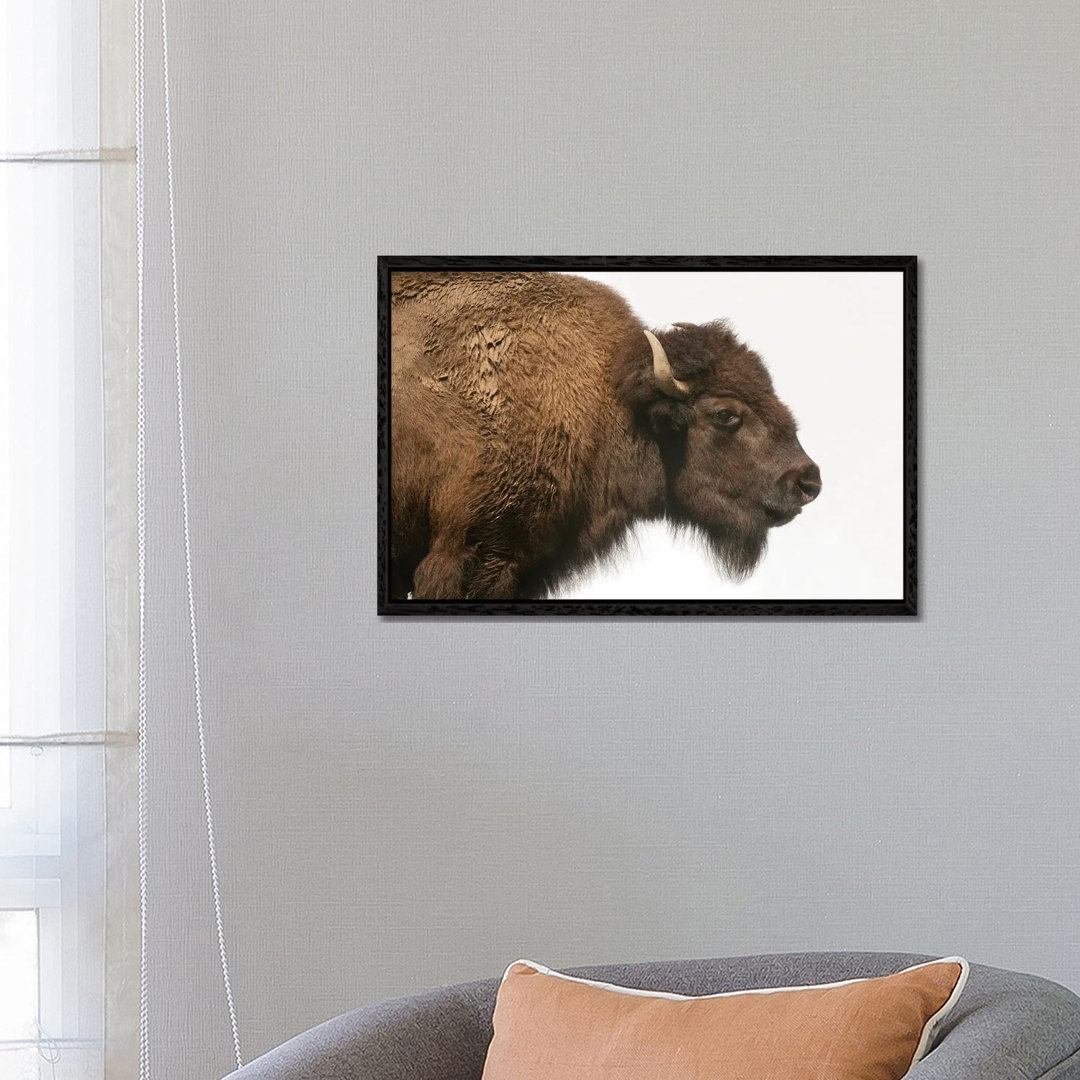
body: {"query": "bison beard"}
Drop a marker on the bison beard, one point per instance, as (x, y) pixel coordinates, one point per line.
(534, 419)
(737, 553)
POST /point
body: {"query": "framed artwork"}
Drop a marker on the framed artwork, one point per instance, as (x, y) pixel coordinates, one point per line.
(647, 436)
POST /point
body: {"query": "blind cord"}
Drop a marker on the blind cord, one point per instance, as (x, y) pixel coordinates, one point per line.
(197, 680)
(143, 815)
(140, 455)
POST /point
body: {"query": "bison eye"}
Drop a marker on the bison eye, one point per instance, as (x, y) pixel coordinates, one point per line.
(727, 419)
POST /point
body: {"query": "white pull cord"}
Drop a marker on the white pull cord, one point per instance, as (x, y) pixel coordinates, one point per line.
(140, 453)
(140, 94)
(210, 846)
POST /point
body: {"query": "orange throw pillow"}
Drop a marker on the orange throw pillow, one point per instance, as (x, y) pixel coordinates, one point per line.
(550, 1026)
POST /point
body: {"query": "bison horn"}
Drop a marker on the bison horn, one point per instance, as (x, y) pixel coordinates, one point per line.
(662, 370)
(685, 325)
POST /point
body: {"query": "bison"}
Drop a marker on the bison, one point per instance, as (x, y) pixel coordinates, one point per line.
(534, 418)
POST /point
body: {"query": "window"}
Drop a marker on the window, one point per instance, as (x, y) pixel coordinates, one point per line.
(52, 578)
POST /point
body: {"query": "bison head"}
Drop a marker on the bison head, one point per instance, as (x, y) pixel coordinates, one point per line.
(734, 465)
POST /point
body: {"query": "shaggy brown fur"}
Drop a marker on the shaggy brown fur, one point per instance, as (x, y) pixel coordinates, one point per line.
(528, 431)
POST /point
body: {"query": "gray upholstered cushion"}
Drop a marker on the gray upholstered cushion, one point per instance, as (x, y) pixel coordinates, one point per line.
(1006, 1026)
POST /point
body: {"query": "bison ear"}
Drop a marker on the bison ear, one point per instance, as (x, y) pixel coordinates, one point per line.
(668, 417)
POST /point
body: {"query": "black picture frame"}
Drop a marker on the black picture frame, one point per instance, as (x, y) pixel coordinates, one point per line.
(906, 606)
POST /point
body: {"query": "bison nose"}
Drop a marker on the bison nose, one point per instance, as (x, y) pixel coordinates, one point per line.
(808, 483)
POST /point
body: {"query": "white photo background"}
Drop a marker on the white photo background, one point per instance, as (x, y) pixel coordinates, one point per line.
(833, 344)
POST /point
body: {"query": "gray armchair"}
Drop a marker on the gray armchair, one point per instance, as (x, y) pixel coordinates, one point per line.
(1006, 1026)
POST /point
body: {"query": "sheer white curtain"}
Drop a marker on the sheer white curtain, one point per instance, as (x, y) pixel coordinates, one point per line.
(58, 204)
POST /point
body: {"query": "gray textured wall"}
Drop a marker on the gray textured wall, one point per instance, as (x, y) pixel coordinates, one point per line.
(409, 803)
